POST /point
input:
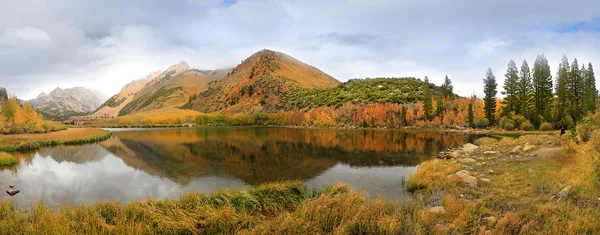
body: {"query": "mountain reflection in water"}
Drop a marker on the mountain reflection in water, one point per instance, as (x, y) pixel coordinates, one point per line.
(137, 164)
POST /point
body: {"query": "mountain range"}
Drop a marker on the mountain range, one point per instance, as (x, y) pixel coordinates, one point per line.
(267, 81)
(60, 104)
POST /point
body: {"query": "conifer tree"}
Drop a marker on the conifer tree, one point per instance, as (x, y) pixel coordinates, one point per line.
(447, 88)
(511, 88)
(590, 91)
(574, 86)
(525, 89)
(562, 75)
(490, 91)
(542, 88)
(470, 114)
(427, 102)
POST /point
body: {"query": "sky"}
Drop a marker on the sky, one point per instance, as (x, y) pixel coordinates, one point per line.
(105, 44)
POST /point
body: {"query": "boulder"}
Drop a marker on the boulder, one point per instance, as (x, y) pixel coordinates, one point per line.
(516, 149)
(437, 210)
(469, 148)
(563, 194)
(528, 147)
(12, 192)
(465, 177)
(454, 154)
(467, 160)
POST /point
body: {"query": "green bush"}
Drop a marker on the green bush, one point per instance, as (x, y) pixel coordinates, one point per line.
(507, 123)
(526, 126)
(546, 127)
(481, 122)
(584, 131)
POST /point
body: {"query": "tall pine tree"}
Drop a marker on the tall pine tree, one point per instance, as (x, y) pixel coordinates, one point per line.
(574, 88)
(525, 90)
(542, 89)
(562, 76)
(427, 102)
(490, 90)
(590, 91)
(447, 88)
(511, 88)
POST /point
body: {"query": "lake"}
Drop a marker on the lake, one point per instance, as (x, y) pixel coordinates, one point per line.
(166, 163)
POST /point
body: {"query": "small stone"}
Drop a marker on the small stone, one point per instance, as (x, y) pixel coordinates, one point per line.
(599, 199)
(490, 152)
(531, 171)
(528, 147)
(564, 193)
(485, 180)
(468, 148)
(516, 149)
(454, 154)
(462, 195)
(491, 171)
(437, 210)
(12, 192)
(467, 160)
(11, 186)
(490, 219)
(465, 177)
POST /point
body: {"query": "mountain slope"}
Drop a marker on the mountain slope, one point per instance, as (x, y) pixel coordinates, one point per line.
(60, 104)
(162, 89)
(258, 84)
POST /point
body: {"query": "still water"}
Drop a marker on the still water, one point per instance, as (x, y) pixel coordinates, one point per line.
(166, 163)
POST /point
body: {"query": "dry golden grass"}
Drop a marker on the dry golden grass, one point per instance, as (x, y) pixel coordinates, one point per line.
(22, 142)
(518, 195)
(166, 116)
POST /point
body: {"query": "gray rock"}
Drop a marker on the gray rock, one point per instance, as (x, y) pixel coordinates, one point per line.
(454, 154)
(465, 177)
(469, 148)
(528, 147)
(563, 194)
(12, 192)
(467, 160)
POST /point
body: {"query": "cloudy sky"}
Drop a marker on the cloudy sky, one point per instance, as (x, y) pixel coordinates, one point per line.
(104, 44)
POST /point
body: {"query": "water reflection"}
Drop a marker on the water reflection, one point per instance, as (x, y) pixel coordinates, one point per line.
(166, 163)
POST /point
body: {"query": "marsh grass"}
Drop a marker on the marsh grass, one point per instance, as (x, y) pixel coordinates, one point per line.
(72, 136)
(7, 160)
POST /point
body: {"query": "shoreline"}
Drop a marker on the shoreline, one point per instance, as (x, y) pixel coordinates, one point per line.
(71, 136)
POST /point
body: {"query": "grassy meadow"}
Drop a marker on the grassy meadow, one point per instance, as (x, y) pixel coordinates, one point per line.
(22, 142)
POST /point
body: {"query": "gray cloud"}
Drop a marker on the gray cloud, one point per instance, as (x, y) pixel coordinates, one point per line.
(105, 44)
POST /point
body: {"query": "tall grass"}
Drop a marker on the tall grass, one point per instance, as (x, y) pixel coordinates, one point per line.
(7, 159)
(36, 141)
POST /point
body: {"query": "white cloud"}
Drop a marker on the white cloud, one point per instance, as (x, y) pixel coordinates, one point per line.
(105, 44)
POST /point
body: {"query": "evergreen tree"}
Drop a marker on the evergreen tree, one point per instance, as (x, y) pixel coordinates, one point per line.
(590, 91)
(511, 88)
(490, 90)
(447, 88)
(470, 114)
(427, 102)
(574, 88)
(524, 89)
(3, 94)
(542, 88)
(562, 75)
